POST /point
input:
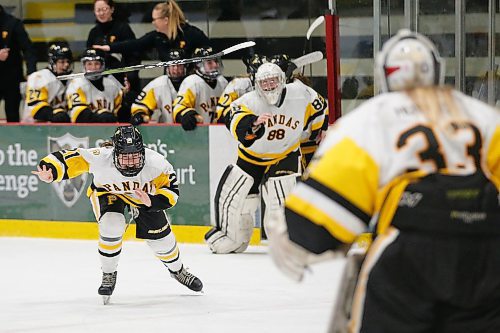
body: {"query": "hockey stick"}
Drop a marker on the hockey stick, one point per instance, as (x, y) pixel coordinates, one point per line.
(231, 49)
(316, 23)
(305, 60)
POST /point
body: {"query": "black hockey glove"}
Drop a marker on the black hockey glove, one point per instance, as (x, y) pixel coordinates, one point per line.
(60, 116)
(105, 116)
(139, 118)
(189, 121)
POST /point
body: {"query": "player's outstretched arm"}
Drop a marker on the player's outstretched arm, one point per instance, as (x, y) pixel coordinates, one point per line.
(44, 173)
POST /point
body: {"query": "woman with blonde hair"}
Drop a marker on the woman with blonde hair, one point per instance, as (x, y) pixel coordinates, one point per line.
(417, 167)
(172, 31)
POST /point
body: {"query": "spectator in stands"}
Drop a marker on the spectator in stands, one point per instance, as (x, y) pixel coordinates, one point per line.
(13, 40)
(106, 32)
(171, 31)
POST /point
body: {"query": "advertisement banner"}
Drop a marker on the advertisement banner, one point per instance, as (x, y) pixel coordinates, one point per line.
(24, 197)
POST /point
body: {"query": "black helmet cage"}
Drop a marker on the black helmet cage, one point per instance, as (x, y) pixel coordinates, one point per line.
(282, 60)
(127, 141)
(176, 54)
(58, 51)
(200, 66)
(253, 63)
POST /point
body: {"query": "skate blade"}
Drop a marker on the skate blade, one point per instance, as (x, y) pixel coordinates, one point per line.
(105, 300)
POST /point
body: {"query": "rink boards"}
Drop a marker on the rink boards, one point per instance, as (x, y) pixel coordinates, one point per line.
(29, 207)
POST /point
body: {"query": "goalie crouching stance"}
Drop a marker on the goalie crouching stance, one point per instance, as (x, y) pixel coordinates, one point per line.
(126, 174)
(269, 124)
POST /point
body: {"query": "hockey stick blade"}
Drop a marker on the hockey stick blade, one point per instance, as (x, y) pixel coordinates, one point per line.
(317, 22)
(306, 59)
(231, 49)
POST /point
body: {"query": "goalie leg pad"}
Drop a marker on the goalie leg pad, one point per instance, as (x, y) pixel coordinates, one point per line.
(274, 192)
(232, 230)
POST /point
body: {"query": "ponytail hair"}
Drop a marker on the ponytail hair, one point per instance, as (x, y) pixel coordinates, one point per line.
(171, 10)
(439, 106)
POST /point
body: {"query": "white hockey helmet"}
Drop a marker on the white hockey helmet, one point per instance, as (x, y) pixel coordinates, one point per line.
(408, 60)
(270, 82)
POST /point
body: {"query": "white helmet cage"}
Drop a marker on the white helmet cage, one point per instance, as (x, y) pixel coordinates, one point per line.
(269, 82)
(408, 60)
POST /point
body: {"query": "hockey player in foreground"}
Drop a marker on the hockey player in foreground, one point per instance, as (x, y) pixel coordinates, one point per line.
(269, 124)
(422, 162)
(126, 174)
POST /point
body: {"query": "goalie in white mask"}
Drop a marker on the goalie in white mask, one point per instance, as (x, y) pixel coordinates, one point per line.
(269, 124)
(126, 175)
(419, 167)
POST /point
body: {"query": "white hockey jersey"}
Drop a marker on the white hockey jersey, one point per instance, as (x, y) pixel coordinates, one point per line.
(157, 178)
(370, 155)
(156, 100)
(82, 94)
(195, 93)
(299, 117)
(43, 89)
(234, 90)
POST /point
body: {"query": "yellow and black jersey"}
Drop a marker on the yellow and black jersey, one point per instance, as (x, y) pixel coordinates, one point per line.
(82, 95)
(384, 157)
(234, 90)
(156, 100)
(196, 94)
(298, 118)
(43, 89)
(157, 178)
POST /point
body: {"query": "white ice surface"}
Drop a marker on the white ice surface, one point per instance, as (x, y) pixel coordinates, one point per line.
(49, 285)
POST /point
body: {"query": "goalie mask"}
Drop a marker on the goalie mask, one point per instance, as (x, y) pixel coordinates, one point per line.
(60, 51)
(91, 59)
(408, 60)
(208, 69)
(129, 154)
(253, 63)
(270, 82)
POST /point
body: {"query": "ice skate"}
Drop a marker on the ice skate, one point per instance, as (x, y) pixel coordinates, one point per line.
(187, 279)
(107, 286)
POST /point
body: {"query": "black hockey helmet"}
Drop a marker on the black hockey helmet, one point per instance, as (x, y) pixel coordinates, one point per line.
(176, 54)
(93, 54)
(253, 63)
(128, 150)
(58, 51)
(201, 67)
(282, 60)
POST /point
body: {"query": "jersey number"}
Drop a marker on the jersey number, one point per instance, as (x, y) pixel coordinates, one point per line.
(433, 152)
(278, 134)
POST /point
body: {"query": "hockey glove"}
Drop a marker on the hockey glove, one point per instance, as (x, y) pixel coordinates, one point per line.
(189, 120)
(105, 116)
(139, 118)
(60, 116)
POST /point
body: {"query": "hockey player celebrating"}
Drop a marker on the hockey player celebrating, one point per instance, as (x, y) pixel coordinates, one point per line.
(238, 87)
(45, 94)
(126, 174)
(96, 99)
(160, 93)
(420, 165)
(269, 124)
(198, 94)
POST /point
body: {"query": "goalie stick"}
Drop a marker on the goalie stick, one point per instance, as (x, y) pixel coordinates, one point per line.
(231, 49)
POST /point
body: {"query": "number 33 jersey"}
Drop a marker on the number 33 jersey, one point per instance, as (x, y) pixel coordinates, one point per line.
(373, 157)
